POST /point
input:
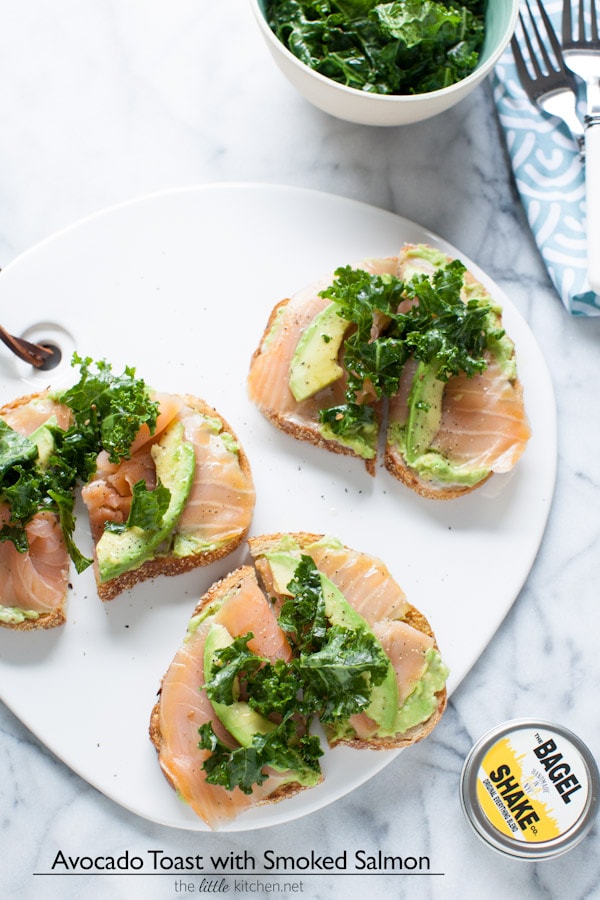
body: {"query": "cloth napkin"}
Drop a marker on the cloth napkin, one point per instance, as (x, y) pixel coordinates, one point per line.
(550, 178)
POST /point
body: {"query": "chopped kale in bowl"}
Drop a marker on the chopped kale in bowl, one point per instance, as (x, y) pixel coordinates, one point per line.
(399, 48)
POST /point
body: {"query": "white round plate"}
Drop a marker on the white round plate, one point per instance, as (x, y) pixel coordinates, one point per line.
(180, 285)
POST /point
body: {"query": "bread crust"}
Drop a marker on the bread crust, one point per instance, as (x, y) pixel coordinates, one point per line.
(396, 466)
(44, 621)
(22, 401)
(170, 565)
(262, 544)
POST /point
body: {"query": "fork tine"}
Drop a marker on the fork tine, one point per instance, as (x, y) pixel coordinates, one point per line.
(567, 24)
(554, 43)
(541, 50)
(519, 58)
(581, 38)
(594, 22)
(581, 26)
(533, 60)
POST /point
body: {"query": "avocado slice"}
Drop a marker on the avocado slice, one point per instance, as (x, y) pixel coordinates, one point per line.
(175, 464)
(314, 365)
(238, 718)
(424, 411)
(43, 438)
(383, 706)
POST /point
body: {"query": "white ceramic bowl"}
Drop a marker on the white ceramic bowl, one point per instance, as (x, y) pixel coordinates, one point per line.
(381, 109)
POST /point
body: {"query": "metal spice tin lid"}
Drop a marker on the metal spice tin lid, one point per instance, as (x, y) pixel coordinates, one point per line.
(530, 789)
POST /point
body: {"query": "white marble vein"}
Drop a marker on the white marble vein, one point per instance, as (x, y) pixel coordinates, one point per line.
(105, 100)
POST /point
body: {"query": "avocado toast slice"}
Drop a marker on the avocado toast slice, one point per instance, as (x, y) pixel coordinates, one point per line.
(449, 432)
(34, 560)
(396, 345)
(315, 634)
(297, 372)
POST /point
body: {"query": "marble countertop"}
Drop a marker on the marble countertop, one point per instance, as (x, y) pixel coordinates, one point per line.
(107, 101)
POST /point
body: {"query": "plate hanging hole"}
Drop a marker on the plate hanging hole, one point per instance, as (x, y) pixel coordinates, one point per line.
(53, 361)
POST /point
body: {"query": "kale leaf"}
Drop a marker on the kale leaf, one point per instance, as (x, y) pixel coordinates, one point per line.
(230, 664)
(303, 615)
(109, 409)
(337, 680)
(441, 328)
(15, 448)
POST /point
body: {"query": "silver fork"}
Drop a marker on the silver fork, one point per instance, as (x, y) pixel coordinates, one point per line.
(546, 80)
(581, 51)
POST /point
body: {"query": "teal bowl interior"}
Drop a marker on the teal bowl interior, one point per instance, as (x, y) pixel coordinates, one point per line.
(499, 17)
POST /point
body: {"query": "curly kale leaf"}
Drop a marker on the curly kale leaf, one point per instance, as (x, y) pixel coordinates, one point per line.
(244, 767)
(338, 679)
(440, 328)
(303, 615)
(109, 409)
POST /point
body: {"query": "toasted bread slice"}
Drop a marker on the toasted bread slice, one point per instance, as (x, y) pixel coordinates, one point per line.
(303, 422)
(472, 440)
(248, 601)
(218, 510)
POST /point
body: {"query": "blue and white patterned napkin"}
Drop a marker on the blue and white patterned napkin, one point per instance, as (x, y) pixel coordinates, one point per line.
(551, 182)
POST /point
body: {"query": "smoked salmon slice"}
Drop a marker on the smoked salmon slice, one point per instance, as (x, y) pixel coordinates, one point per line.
(33, 584)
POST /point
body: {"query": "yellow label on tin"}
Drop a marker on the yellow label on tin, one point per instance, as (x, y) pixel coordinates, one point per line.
(532, 786)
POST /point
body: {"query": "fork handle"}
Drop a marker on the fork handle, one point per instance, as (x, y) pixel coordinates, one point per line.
(592, 190)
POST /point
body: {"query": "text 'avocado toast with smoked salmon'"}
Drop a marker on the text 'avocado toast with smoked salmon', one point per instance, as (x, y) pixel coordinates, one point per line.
(165, 480)
(314, 632)
(411, 347)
